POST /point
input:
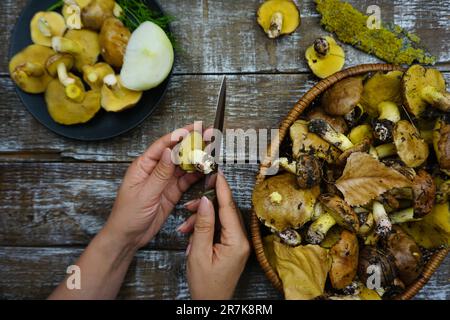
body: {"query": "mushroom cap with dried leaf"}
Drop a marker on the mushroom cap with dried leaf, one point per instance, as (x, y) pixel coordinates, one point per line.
(296, 205)
(46, 25)
(411, 148)
(90, 44)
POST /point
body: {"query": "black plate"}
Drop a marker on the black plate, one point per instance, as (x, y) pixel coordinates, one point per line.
(104, 125)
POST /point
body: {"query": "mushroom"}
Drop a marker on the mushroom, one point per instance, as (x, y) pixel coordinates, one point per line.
(411, 148)
(337, 211)
(338, 123)
(385, 150)
(305, 142)
(342, 98)
(290, 237)
(193, 141)
(308, 171)
(278, 17)
(59, 65)
(94, 14)
(344, 257)
(67, 111)
(325, 57)
(72, 13)
(46, 25)
(407, 255)
(443, 191)
(82, 44)
(389, 115)
(27, 68)
(114, 37)
(363, 146)
(360, 133)
(326, 131)
(354, 117)
(441, 144)
(296, 206)
(94, 75)
(115, 97)
(422, 87)
(366, 222)
(383, 224)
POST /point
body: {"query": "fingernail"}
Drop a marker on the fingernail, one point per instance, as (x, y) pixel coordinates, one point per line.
(203, 208)
(167, 156)
(181, 226)
(189, 202)
(188, 249)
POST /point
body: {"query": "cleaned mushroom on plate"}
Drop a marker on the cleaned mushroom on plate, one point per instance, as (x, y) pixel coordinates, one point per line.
(59, 65)
(115, 97)
(94, 75)
(114, 37)
(278, 17)
(94, 14)
(27, 68)
(46, 25)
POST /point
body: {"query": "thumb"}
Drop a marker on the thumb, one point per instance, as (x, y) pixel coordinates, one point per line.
(161, 174)
(203, 236)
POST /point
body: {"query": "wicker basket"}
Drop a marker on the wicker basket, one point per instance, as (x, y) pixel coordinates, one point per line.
(293, 115)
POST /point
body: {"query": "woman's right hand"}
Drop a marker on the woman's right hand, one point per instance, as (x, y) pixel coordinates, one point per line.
(214, 269)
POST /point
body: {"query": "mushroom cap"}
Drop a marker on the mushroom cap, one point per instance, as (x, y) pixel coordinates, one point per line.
(379, 88)
(324, 66)
(90, 44)
(424, 192)
(344, 257)
(32, 54)
(296, 206)
(114, 37)
(55, 22)
(96, 12)
(288, 9)
(101, 70)
(371, 256)
(343, 97)
(338, 123)
(309, 171)
(415, 79)
(119, 98)
(53, 62)
(411, 148)
(340, 211)
(66, 111)
(441, 143)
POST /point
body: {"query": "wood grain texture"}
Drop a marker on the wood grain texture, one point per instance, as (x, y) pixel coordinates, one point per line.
(34, 272)
(224, 37)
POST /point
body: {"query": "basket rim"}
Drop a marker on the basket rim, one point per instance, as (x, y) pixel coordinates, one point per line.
(291, 117)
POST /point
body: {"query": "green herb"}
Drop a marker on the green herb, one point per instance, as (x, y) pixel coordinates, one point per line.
(57, 5)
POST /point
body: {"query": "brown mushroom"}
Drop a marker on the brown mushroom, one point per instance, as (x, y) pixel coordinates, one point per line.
(309, 171)
(338, 123)
(115, 97)
(441, 143)
(46, 25)
(27, 68)
(344, 256)
(376, 265)
(411, 148)
(342, 98)
(424, 192)
(96, 13)
(114, 38)
(363, 146)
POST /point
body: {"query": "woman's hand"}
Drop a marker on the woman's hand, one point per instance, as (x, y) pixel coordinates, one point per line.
(150, 190)
(213, 269)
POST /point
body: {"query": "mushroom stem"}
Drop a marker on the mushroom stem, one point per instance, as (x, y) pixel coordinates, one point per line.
(326, 131)
(74, 92)
(436, 98)
(290, 237)
(389, 115)
(383, 225)
(405, 215)
(276, 24)
(111, 81)
(386, 150)
(118, 11)
(319, 228)
(92, 76)
(63, 76)
(30, 69)
(360, 133)
(44, 27)
(60, 44)
(427, 135)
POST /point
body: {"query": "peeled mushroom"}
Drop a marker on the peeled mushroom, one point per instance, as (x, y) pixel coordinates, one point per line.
(115, 97)
(46, 25)
(59, 65)
(27, 68)
(94, 75)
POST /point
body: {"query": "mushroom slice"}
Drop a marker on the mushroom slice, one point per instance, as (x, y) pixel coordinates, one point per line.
(325, 57)
(83, 44)
(343, 97)
(295, 208)
(27, 68)
(411, 148)
(278, 17)
(94, 14)
(423, 87)
(46, 25)
(344, 257)
(67, 111)
(94, 75)
(115, 97)
(441, 144)
(114, 38)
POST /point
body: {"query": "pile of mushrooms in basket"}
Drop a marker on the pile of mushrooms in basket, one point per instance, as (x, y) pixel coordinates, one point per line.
(87, 45)
(361, 199)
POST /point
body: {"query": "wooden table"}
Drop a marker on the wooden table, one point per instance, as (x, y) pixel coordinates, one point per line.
(55, 194)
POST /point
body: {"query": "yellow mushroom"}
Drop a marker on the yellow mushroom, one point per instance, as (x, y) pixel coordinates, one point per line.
(278, 17)
(325, 57)
(46, 25)
(94, 75)
(115, 97)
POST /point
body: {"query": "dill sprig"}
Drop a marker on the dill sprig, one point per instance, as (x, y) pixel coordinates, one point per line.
(57, 5)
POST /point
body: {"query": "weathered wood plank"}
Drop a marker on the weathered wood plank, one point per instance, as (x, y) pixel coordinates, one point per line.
(59, 204)
(223, 36)
(253, 101)
(34, 272)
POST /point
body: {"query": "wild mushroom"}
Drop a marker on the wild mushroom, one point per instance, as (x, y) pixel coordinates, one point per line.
(442, 191)
(363, 146)
(59, 65)
(355, 116)
(441, 144)
(360, 133)
(422, 87)
(344, 257)
(67, 111)
(114, 37)
(385, 150)
(115, 97)
(383, 224)
(295, 209)
(411, 148)
(309, 171)
(46, 25)
(192, 142)
(325, 57)
(326, 132)
(278, 17)
(343, 97)
(337, 211)
(407, 255)
(366, 222)
(388, 116)
(27, 68)
(94, 14)
(94, 75)
(338, 123)
(290, 237)
(72, 13)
